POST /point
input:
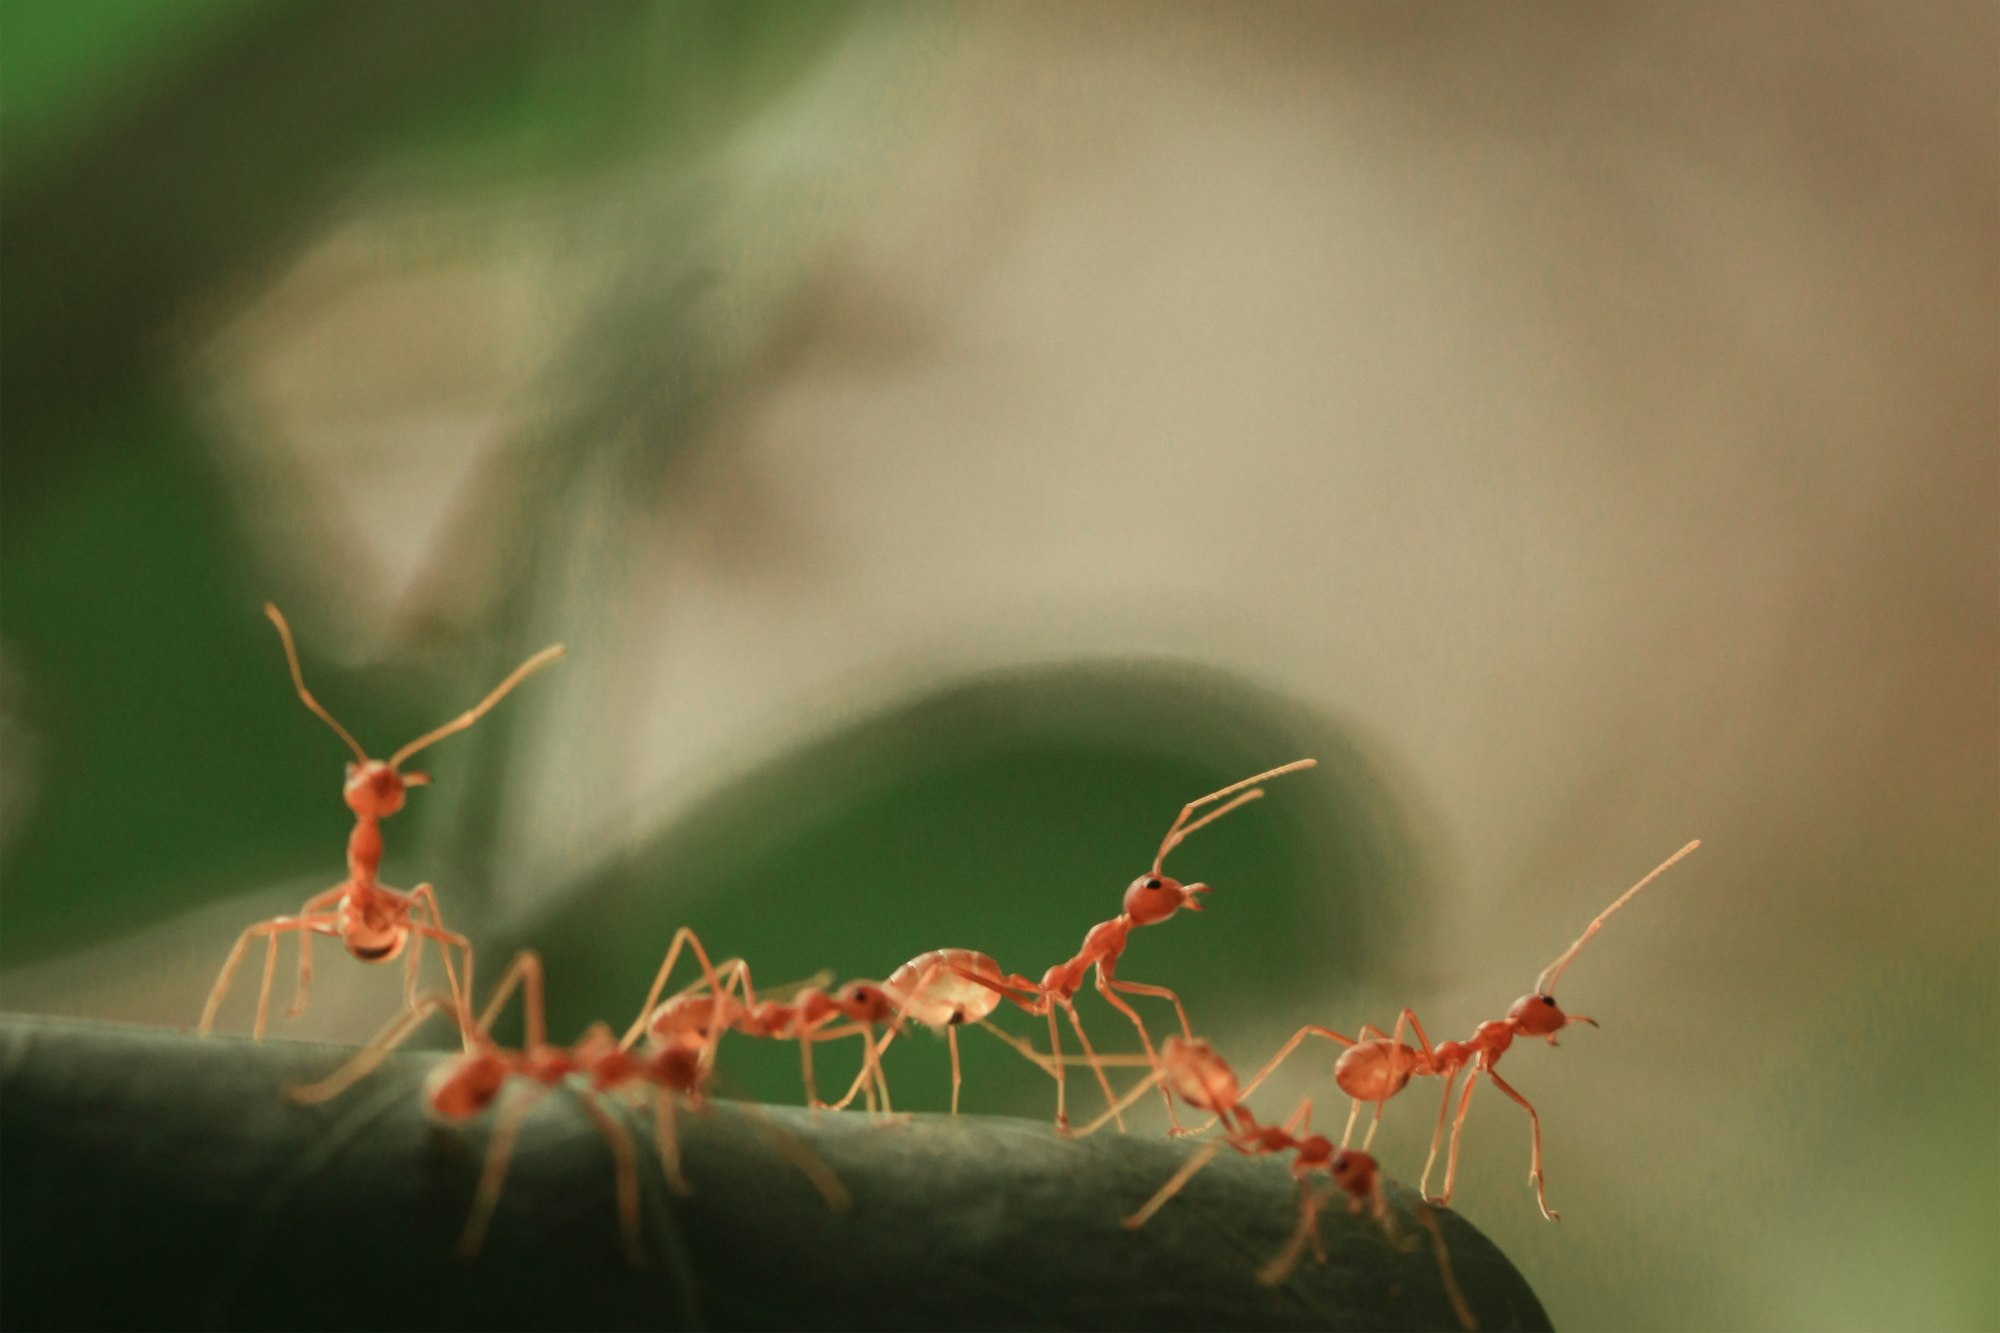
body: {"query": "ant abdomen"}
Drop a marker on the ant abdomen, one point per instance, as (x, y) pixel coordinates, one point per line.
(373, 937)
(1373, 1071)
(935, 989)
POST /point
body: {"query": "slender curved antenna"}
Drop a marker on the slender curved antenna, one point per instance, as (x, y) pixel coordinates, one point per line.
(292, 658)
(1181, 826)
(473, 714)
(1555, 969)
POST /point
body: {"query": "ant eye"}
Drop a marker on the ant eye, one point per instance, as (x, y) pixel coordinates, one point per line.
(1153, 882)
(1549, 1000)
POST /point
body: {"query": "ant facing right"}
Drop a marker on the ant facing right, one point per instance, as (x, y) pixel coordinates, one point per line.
(1379, 1065)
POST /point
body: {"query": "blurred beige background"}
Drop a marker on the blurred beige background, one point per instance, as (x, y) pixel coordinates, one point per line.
(1596, 407)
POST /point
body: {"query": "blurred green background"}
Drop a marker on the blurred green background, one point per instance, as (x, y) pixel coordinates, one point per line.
(949, 437)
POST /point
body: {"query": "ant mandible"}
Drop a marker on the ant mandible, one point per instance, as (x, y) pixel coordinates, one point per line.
(1379, 1065)
(373, 920)
(1149, 900)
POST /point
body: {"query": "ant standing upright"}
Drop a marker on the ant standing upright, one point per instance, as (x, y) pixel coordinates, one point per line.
(374, 921)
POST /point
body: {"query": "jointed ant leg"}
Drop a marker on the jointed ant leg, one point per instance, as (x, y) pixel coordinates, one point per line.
(1271, 1065)
(494, 1175)
(368, 1057)
(1353, 1110)
(1457, 1124)
(682, 937)
(1437, 1135)
(315, 904)
(668, 1140)
(1287, 1259)
(264, 929)
(1055, 1051)
(1159, 992)
(526, 973)
(627, 1160)
(1083, 1040)
(461, 987)
(1535, 1124)
(1104, 988)
(1173, 1186)
(1133, 1094)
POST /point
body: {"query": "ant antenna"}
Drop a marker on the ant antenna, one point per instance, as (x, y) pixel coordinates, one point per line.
(292, 658)
(1179, 832)
(473, 714)
(1555, 969)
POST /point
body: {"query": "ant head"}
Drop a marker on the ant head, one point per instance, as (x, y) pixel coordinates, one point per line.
(1539, 1015)
(677, 1067)
(463, 1087)
(377, 790)
(1354, 1170)
(865, 1002)
(1153, 898)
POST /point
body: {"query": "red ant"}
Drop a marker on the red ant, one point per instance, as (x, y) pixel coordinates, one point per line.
(374, 921)
(467, 1084)
(1149, 900)
(1193, 1071)
(809, 1016)
(944, 990)
(1378, 1066)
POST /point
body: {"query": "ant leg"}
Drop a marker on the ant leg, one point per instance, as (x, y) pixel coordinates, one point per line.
(442, 938)
(1287, 1259)
(1055, 1050)
(1173, 1186)
(1437, 1135)
(1137, 1090)
(263, 929)
(1159, 992)
(1374, 1123)
(795, 1150)
(1271, 1065)
(1353, 1110)
(526, 973)
(1457, 1124)
(862, 1080)
(686, 937)
(1451, 1289)
(364, 1062)
(627, 1160)
(1090, 1055)
(1104, 988)
(312, 906)
(494, 1175)
(1535, 1123)
(460, 987)
(957, 1077)
(668, 1140)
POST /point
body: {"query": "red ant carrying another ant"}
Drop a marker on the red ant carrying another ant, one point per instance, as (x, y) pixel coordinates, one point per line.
(374, 921)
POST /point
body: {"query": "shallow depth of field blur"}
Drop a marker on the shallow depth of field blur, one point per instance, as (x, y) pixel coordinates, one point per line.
(948, 438)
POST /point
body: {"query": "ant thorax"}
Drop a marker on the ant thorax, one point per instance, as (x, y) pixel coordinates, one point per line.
(372, 933)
